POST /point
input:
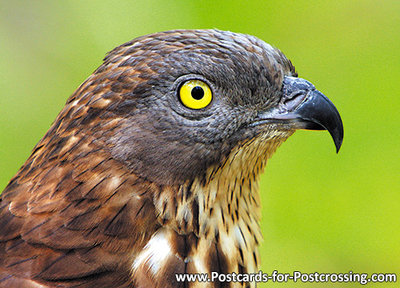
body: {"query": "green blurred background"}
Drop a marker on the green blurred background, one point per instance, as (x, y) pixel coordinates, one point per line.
(321, 211)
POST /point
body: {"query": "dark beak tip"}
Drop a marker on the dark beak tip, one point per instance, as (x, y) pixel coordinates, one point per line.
(318, 110)
(338, 137)
(338, 145)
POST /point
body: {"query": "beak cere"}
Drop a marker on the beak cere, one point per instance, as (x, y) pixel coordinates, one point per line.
(304, 107)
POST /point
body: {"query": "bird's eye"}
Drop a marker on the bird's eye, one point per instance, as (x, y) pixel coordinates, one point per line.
(195, 94)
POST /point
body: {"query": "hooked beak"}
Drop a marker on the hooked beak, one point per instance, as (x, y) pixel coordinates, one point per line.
(304, 107)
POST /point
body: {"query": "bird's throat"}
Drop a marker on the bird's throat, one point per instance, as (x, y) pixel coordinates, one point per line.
(222, 208)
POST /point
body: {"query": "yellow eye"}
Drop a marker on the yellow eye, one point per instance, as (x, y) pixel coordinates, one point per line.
(195, 94)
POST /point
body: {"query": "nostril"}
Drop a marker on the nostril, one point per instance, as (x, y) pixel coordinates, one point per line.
(294, 100)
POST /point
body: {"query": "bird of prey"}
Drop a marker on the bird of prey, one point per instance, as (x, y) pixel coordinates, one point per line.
(151, 168)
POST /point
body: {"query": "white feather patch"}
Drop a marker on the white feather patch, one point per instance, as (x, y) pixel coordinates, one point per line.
(155, 253)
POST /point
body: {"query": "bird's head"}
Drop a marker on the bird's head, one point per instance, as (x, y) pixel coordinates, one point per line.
(170, 105)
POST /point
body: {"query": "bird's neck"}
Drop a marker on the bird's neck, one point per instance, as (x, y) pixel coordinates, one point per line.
(223, 208)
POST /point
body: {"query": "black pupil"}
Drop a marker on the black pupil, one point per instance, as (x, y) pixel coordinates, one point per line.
(197, 92)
